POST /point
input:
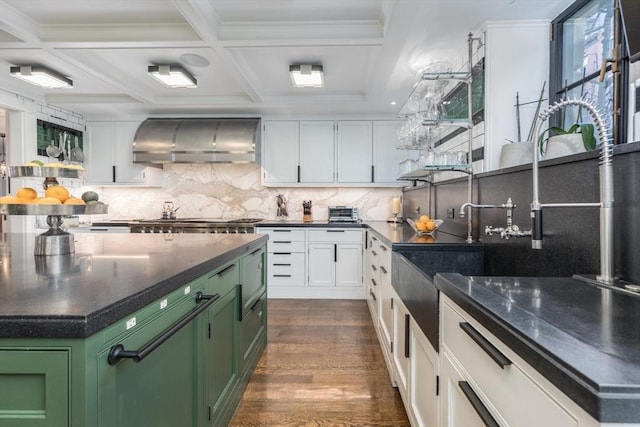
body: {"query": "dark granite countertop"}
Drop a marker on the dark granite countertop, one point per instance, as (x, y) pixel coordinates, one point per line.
(318, 224)
(583, 338)
(108, 277)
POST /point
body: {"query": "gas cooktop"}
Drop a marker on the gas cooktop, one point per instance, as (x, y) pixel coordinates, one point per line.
(201, 220)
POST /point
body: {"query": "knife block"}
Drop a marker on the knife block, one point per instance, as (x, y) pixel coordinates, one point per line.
(307, 217)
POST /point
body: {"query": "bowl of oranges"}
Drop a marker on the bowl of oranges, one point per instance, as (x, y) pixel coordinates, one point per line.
(425, 226)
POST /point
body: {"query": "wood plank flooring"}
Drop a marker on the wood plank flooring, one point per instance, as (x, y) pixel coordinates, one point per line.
(322, 367)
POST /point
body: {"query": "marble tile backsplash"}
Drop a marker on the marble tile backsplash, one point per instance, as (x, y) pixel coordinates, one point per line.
(229, 191)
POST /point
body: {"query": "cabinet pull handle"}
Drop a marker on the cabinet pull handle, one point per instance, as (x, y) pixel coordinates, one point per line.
(225, 270)
(384, 270)
(282, 253)
(255, 304)
(384, 248)
(113, 172)
(281, 265)
(281, 275)
(298, 173)
(256, 251)
(374, 253)
(374, 282)
(282, 231)
(373, 295)
(335, 231)
(495, 354)
(407, 322)
(335, 253)
(477, 404)
(373, 173)
(282, 241)
(118, 352)
(374, 267)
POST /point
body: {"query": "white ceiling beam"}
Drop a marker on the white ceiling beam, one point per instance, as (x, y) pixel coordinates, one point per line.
(101, 33)
(18, 25)
(205, 23)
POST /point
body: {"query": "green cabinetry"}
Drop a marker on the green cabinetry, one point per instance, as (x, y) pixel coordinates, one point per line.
(183, 360)
(34, 387)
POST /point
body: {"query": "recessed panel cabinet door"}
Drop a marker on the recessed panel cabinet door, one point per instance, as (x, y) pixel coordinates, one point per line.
(321, 265)
(348, 264)
(386, 156)
(317, 151)
(34, 388)
(280, 151)
(354, 151)
(99, 152)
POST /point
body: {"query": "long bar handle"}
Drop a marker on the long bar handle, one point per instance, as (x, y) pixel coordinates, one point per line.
(118, 352)
(477, 404)
(495, 354)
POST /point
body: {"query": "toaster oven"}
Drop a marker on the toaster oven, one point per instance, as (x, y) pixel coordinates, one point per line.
(343, 214)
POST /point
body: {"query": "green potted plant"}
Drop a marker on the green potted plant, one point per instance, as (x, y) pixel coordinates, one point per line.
(569, 140)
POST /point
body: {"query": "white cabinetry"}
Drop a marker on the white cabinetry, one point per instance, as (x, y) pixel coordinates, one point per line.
(401, 325)
(330, 153)
(286, 250)
(280, 152)
(109, 156)
(335, 257)
(317, 151)
(355, 154)
(386, 156)
(482, 372)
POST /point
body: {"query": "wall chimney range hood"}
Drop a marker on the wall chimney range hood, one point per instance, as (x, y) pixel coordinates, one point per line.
(197, 140)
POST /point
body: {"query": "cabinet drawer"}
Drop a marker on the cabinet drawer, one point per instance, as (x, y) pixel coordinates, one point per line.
(481, 355)
(225, 279)
(253, 325)
(336, 236)
(285, 246)
(286, 270)
(289, 234)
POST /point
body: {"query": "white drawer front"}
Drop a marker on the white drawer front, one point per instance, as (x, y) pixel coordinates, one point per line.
(286, 270)
(285, 246)
(336, 236)
(295, 235)
(500, 386)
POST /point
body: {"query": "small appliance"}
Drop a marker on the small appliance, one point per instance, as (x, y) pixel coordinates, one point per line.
(343, 214)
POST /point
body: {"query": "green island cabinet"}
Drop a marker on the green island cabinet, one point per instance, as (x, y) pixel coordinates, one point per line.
(183, 360)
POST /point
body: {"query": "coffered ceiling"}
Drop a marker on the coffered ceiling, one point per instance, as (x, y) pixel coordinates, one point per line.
(240, 51)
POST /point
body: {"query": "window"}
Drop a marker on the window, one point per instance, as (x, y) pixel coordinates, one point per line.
(584, 37)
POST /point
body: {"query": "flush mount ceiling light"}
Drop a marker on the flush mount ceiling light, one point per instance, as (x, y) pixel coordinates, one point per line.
(41, 76)
(172, 76)
(306, 75)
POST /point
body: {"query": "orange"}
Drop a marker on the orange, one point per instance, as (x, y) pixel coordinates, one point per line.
(47, 201)
(27, 194)
(424, 218)
(57, 191)
(431, 225)
(421, 226)
(11, 200)
(74, 201)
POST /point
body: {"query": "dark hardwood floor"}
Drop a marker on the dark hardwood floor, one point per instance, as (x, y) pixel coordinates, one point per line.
(322, 367)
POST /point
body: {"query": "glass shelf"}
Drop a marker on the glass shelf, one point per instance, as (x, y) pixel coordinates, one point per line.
(447, 75)
(427, 172)
(463, 123)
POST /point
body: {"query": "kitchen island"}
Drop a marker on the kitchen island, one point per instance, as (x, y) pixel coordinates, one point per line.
(158, 329)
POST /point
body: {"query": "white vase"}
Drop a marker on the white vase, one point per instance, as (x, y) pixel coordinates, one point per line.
(563, 145)
(516, 153)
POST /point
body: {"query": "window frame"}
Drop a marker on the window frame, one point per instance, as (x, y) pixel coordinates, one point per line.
(620, 87)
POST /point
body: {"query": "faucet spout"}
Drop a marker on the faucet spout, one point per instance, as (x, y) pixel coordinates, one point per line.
(606, 187)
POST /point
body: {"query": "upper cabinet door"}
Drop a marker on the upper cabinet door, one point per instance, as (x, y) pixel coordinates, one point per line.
(280, 151)
(100, 153)
(355, 158)
(317, 151)
(386, 156)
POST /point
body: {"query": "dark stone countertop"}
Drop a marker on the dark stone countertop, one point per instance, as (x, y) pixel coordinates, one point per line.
(313, 224)
(581, 337)
(107, 278)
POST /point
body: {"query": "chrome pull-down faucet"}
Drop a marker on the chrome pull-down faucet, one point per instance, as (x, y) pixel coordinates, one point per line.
(606, 188)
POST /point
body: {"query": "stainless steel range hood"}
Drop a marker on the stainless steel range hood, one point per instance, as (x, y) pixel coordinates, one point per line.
(197, 140)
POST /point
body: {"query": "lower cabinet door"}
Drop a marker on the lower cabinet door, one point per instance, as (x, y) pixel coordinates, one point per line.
(423, 399)
(160, 390)
(222, 365)
(34, 388)
(252, 328)
(460, 405)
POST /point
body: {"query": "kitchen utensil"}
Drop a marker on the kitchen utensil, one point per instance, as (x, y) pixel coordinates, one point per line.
(61, 146)
(167, 210)
(76, 152)
(52, 150)
(282, 206)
